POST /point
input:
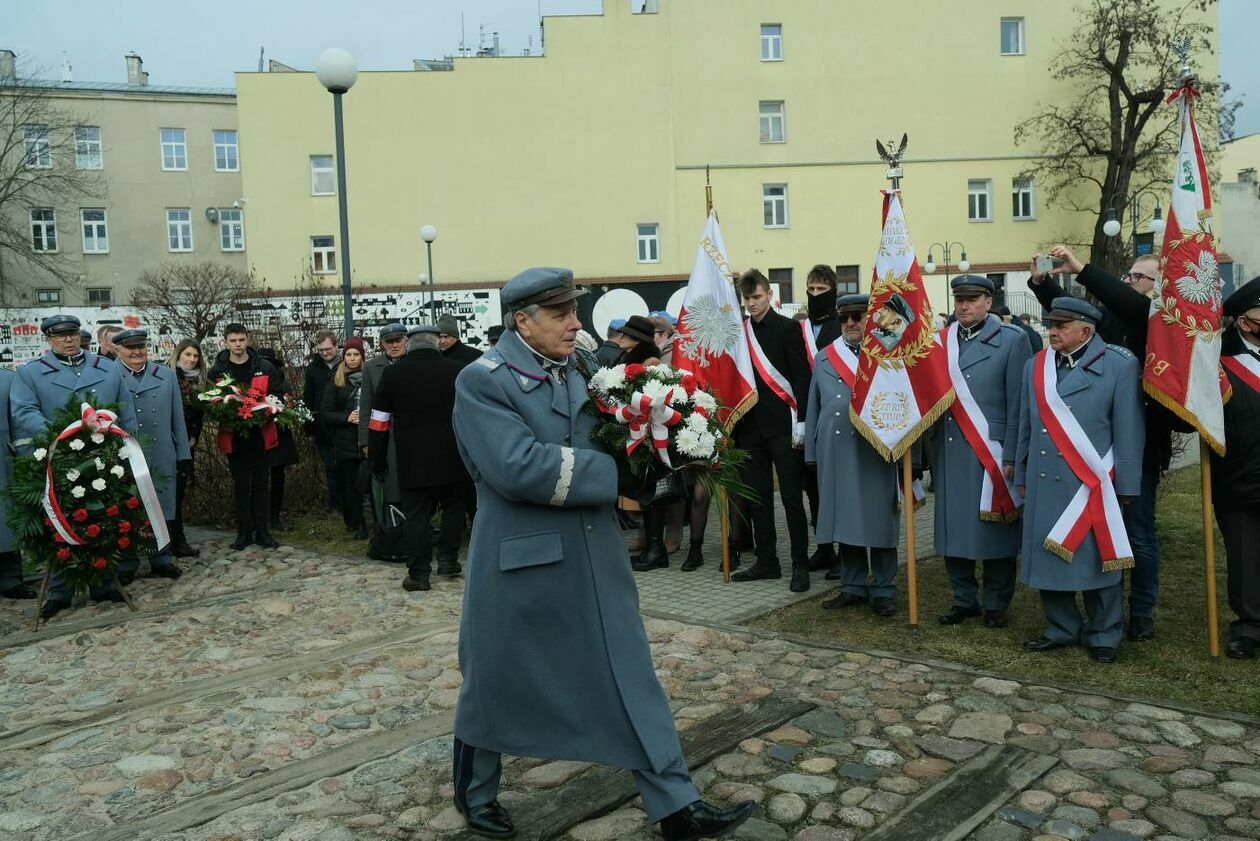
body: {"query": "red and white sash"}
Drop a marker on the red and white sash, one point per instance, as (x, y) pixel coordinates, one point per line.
(768, 373)
(811, 344)
(842, 358)
(1245, 367)
(999, 502)
(1095, 506)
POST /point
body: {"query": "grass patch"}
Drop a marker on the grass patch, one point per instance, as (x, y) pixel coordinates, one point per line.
(1173, 667)
(322, 532)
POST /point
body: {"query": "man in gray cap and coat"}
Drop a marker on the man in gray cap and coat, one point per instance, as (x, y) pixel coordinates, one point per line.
(393, 345)
(973, 447)
(449, 343)
(1077, 464)
(555, 658)
(162, 435)
(11, 584)
(42, 388)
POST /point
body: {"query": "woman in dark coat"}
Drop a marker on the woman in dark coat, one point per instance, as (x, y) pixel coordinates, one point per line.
(190, 370)
(283, 455)
(340, 414)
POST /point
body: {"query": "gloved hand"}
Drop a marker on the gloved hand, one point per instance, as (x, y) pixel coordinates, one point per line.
(798, 434)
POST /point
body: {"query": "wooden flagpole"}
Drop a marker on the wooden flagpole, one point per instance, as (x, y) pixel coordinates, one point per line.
(723, 502)
(1209, 547)
(907, 505)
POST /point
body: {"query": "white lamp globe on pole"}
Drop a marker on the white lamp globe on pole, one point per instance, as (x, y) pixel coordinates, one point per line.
(1112, 226)
(964, 263)
(336, 70)
(429, 233)
(1157, 223)
(929, 266)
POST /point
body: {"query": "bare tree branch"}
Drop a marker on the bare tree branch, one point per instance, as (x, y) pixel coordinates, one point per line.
(193, 298)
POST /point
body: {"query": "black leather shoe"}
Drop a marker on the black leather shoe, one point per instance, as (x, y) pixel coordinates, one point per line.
(834, 574)
(19, 591)
(242, 541)
(1141, 628)
(995, 619)
(1241, 648)
(655, 556)
(843, 600)
(958, 615)
(823, 558)
(757, 572)
(800, 579)
(52, 607)
(695, 558)
(449, 568)
(701, 820)
(883, 607)
(1043, 644)
(125, 578)
(734, 559)
(1100, 654)
(266, 541)
(181, 549)
(169, 571)
(113, 595)
(488, 821)
(413, 584)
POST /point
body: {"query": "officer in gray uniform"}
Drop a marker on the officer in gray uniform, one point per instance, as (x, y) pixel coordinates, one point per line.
(161, 432)
(991, 358)
(857, 488)
(1100, 385)
(42, 388)
(11, 584)
(393, 341)
(555, 659)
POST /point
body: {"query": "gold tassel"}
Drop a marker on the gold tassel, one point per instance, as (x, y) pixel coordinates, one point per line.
(1058, 549)
(1180, 411)
(1117, 565)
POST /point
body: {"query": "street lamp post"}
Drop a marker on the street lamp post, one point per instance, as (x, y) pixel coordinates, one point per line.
(1112, 226)
(429, 233)
(336, 71)
(963, 264)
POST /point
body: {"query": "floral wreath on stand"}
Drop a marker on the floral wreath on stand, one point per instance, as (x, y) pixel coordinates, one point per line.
(84, 499)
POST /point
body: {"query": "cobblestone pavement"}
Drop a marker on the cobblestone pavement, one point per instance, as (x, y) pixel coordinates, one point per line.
(287, 695)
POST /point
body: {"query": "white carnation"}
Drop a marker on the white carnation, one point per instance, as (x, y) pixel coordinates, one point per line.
(697, 422)
(39, 454)
(98, 484)
(76, 444)
(656, 391)
(606, 379)
(72, 475)
(98, 438)
(704, 400)
(662, 370)
(695, 444)
(117, 470)
(100, 465)
(77, 491)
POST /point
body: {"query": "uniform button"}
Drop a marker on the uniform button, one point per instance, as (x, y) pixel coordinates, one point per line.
(968, 376)
(837, 432)
(1043, 452)
(1041, 475)
(837, 414)
(949, 438)
(1043, 430)
(839, 397)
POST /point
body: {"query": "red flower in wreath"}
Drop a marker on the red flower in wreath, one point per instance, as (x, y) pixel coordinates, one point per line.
(48, 522)
(111, 511)
(99, 563)
(255, 393)
(124, 542)
(63, 554)
(57, 538)
(93, 530)
(243, 413)
(689, 384)
(634, 369)
(80, 514)
(132, 503)
(124, 527)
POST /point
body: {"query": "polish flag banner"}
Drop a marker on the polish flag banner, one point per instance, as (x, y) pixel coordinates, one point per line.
(710, 339)
(902, 384)
(1183, 349)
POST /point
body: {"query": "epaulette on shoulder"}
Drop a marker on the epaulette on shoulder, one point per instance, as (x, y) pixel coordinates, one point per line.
(1014, 328)
(490, 360)
(1122, 351)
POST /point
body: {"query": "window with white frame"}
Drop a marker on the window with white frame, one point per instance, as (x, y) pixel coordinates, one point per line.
(649, 243)
(772, 42)
(980, 200)
(226, 153)
(1012, 36)
(323, 176)
(48, 296)
(100, 296)
(1022, 200)
(179, 229)
(38, 149)
(774, 205)
(174, 149)
(231, 229)
(95, 232)
(87, 147)
(323, 255)
(771, 118)
(43, 229)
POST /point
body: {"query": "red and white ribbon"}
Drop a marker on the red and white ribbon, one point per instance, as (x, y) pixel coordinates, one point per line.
(1245, 367)
(768, 373)
(811, 344)
(998, 500)
(844, 360)
(649, 416)
(106, 423)
(379, 421)
(1095, 506)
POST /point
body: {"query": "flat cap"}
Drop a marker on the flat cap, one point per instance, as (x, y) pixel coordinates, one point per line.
(133, 337)
(546, 286)
(422, 328)
(85, 336)
(449, 325)
(1066, 308)
(853, 302)
(393, 330)
(1244, 298)
(617, 324)
(971, 284)
(59, 323)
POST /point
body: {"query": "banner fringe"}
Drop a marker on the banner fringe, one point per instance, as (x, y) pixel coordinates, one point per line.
(1058, 549)
(1170, 403)
(740, 410)
(1117, 565)
(933, 415)
(996, 517)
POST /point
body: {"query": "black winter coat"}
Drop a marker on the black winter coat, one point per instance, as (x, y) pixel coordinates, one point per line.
(285, 452)
(418, 393)
(1236, 477)
(314, 381)
(461, 353)
(780, 337)
(334, 412)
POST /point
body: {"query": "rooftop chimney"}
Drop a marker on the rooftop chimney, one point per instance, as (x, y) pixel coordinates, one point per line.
(135, 70)
(8, 66)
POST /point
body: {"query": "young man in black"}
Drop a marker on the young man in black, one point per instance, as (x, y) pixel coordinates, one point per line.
(820, 328)
(773, 430)
(248, 462)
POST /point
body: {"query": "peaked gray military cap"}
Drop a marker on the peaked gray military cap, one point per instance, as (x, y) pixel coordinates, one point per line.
(546, 286)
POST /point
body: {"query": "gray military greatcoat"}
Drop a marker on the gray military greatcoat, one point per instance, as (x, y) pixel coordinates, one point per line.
(1104, 393)
(555, 659)
(993, 365)
(44, 385)
(7, 543)
(371, 380)
(160, 428)
(857, 488)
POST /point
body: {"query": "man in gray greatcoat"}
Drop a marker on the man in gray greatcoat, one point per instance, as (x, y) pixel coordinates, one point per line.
(161, 432)
(11, 584)
(393, 338)
(857, 489)
(42, 388)
(555, 659)
(1095, 414)
(986, 366)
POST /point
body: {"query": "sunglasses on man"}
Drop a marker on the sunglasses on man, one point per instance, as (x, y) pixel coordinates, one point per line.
(1133, 277)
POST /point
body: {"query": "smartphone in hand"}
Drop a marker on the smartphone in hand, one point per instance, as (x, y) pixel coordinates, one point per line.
(1044, 264)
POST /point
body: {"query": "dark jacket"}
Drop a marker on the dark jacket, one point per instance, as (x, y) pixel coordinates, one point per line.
(418, 394)
(1125, 312)
(639, 354)
(334, 412)
(461, 353)
(1236, 477)
(828, 331)
(316, 378)
(608, 353)
(194, 414)
(780, 337)
(243, 374)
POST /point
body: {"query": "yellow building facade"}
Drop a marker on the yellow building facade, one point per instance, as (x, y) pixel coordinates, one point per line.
(571, 157)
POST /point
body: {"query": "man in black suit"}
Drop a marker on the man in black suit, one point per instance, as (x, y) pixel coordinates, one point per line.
(820, 328)
(773, 429)
(413, 404)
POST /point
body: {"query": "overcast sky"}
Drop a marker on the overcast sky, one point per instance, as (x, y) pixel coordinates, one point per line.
(185, 43)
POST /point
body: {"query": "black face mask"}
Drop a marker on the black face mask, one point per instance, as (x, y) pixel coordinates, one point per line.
(822, 306)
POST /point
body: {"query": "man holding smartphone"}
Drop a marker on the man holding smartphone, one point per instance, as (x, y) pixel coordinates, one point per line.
(1125, 306)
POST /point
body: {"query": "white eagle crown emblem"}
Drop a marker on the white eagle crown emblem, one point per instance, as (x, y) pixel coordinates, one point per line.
(1203, 283)
(710, 329)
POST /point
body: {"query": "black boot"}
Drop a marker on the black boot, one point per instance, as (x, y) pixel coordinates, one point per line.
(700, 820)
(824, 557)
(244, 537)
(264, 539)
(695, 558)
(654, 554)
(800, 577)
(179, 543)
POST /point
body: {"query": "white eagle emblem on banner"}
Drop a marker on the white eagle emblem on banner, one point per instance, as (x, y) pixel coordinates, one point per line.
(710, 329)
